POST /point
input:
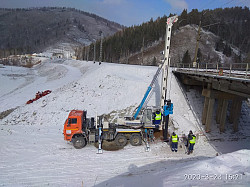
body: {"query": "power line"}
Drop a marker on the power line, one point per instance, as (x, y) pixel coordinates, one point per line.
(242, 2)
(211, 24)
(209, 3)
(212, 2)
(227, 3)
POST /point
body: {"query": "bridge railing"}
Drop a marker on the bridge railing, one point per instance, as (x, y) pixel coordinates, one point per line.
(240, 70)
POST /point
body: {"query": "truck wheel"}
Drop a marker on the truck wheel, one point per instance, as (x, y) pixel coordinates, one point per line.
(135, 139)
(79, 142)
(121, 140)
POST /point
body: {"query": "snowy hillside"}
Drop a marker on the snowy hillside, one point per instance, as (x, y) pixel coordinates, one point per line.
(50, 26)
(34, 153)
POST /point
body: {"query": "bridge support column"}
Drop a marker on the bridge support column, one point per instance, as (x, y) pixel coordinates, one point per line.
(232, 111)
(209, 114)
(208, 108)
(223, 114)
(218, 113)
(204, 112)
(235, 112)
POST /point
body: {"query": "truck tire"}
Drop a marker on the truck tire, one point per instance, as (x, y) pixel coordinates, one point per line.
(121, 140)
(135, 140)
(79, 142)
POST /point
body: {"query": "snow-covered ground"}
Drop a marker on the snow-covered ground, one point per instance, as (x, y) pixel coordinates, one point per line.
(34, 153)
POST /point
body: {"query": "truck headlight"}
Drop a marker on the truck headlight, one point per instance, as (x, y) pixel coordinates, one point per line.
(68, 131)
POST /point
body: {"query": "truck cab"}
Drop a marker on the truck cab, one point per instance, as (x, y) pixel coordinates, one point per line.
(75, 128)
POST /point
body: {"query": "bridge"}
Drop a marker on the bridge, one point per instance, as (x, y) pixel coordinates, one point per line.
(224, 83)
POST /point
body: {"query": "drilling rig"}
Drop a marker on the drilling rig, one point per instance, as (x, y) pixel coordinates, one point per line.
(81, 130)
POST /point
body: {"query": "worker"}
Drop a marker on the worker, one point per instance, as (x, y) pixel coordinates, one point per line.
(188, 138)
(174, 139)
(191, 142)
(157, 118)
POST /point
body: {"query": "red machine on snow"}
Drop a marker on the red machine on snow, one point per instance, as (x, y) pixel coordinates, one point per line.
(38, 96)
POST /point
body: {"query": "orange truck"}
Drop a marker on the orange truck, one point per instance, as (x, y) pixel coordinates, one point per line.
(81, 130)
(75, 128)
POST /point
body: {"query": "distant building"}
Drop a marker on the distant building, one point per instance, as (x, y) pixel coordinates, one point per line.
(58, 55)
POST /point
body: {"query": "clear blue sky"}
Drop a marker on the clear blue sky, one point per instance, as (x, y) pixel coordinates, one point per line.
(128, 12)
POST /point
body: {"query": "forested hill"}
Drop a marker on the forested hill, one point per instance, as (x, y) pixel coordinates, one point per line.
(34, 29)
(231, 25)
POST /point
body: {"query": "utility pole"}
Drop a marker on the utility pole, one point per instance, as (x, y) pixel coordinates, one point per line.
(197, 46)
(197, 42)
(87, 53)
(100, 58)
(127, 56)
(142, 50)
(94, 50)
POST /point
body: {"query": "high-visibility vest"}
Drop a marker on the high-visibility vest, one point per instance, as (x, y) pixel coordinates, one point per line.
(158, 116)
(192, 141)
(174, 138)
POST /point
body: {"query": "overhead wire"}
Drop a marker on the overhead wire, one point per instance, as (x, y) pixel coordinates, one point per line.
(236, 2)
(223, 4)
(209, 3)
(227, 3)
(241, 3)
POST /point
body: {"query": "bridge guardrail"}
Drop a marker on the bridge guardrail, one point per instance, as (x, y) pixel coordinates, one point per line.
(239, 70)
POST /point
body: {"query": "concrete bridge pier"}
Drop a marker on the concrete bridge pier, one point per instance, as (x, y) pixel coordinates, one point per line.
(204, 112)
(235, 112)
(222, 110)
(210, 111)
(221, 113)
(218, 113)
(207, 113)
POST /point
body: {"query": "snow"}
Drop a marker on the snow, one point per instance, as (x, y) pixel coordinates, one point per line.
(34, 153)
(14, 77)
(42, 77)
(201, 171)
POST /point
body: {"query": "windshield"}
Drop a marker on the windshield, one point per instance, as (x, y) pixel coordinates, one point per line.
(72, 121)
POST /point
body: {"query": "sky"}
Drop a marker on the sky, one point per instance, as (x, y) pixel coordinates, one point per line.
(128, 12)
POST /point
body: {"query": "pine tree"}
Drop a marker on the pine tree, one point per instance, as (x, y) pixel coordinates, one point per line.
(247, 59)
(186, 58)
(154, 63)
(183, 18)
(219, 46)
(227, 50)
(199, 56)
(194, 17)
